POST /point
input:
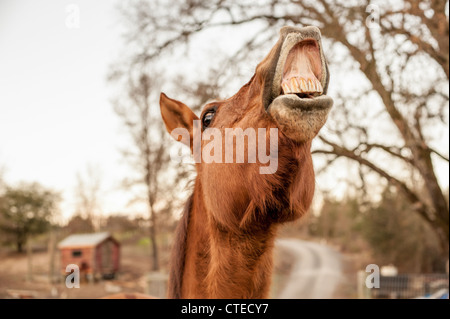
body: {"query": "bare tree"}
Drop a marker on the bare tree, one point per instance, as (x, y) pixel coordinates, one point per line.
(389, 123)
(148, 155)
(87, 194)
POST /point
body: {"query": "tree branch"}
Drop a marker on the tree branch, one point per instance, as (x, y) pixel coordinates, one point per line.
(445, 158)
(410, 195)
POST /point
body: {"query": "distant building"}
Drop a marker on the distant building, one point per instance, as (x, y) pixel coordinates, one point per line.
(97, 254)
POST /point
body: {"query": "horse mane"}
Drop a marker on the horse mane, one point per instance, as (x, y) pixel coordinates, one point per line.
(179, 252)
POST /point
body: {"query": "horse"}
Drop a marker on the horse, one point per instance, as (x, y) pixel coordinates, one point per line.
(224, 240)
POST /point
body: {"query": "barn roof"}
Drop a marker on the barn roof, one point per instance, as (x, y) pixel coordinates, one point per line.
(88, 240)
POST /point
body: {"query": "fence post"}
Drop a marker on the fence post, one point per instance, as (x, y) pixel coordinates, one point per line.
(362, 289)
(157, 284)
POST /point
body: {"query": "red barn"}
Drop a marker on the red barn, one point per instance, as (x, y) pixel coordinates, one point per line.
(96, 255)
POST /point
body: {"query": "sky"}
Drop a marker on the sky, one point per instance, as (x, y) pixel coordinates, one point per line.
(56, 118)
(55, 112)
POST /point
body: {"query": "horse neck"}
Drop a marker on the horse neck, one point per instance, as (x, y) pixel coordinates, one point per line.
(221, 263)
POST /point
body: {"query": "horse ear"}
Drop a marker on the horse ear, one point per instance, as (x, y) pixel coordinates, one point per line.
(178, 118)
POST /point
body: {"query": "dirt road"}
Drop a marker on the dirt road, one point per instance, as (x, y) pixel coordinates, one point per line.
(316, 270)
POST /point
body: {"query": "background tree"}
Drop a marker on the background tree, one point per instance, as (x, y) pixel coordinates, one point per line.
(386, 231)
(25, 211)
(338, 223)
(388, 227)
(390, 67)
(148, 153)
(88, 196)
(121, 224)
(79, 225)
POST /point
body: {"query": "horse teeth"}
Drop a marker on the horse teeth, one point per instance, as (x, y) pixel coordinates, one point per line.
(294, 85)
(311, 86)
(301, 85)
(319, 88)
(286, 88)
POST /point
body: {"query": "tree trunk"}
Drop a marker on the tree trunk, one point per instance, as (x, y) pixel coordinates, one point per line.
(51, 250)
(29, 261)
(20, 242)
(441, 232)
(19, 246)
(155, 257)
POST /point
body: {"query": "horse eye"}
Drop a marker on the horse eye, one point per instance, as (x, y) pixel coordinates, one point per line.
(207, 119)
